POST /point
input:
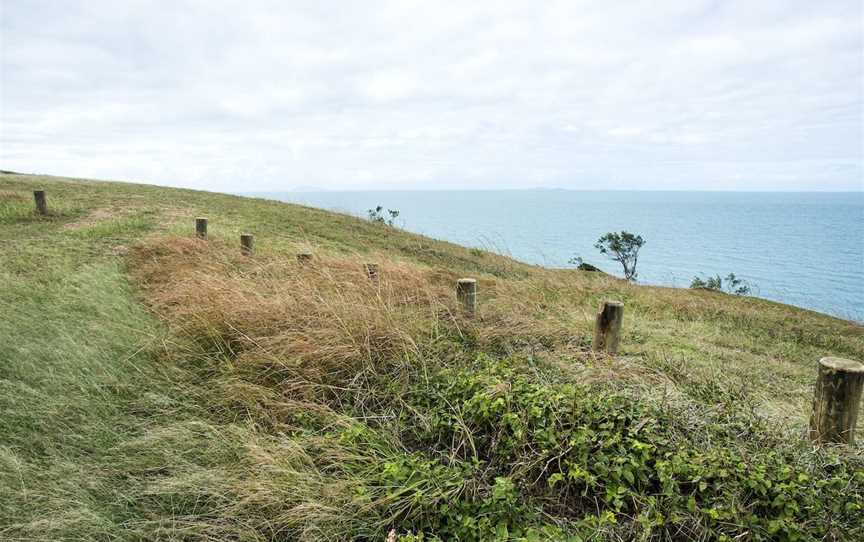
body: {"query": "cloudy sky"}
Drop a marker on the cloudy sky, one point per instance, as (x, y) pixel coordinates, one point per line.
(254, 95)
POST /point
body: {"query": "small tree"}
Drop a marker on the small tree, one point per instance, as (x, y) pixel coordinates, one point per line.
(377, 215)
(622, 247)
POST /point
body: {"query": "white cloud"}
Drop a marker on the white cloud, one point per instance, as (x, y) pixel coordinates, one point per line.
(388, 86)
(588, 94)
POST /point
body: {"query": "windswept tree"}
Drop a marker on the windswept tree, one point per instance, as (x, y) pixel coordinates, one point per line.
(622, 247)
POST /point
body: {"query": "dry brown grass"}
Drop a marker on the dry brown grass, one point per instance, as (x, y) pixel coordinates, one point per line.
(17, 195)
(329, 319)
(314, 331)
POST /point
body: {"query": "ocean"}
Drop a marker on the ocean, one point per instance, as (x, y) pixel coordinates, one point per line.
(804, 249)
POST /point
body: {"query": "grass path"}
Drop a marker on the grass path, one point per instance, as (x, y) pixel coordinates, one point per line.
(76, 364)
(80, 383)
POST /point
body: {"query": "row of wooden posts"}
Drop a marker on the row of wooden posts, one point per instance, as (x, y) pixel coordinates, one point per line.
(839, 382)
(607, 329)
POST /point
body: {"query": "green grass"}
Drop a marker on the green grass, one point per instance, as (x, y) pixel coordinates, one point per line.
(155, 388)
(74, 360)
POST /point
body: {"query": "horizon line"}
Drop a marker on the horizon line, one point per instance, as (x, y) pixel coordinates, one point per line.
(503, 189)
(550, 189)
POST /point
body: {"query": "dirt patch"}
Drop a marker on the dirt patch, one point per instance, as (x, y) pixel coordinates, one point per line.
(173, 215)
(14, 195)
(95, 216)
(165, 217)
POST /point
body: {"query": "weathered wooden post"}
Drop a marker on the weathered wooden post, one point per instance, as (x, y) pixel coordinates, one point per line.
(607, 330)
(201, 227)
(372, 271)
(466, 293)
(247, 244)
(836, 402)
(304, 258)
(41, 202)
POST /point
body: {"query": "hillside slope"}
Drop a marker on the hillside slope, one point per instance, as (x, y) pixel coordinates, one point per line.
(156, 386)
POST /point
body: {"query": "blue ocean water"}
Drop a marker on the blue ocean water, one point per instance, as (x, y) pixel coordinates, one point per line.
(804, 249)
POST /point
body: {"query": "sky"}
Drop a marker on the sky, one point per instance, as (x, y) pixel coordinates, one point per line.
(269, 96)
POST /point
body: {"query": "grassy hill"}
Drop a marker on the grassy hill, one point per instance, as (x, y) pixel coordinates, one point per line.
(158, 387)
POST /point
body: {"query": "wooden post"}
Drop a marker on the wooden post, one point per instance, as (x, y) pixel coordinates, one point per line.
(607, 330)
(41, 202)
(247, 244)
(836, 402)
(466, 293)
(304, 258)
(201, 227)
(372, 271)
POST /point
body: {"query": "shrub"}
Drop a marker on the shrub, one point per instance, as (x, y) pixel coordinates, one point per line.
(377, 215)
(582, 265)
(597, 459)
(732, 284)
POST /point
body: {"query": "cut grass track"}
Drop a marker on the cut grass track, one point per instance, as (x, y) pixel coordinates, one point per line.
(75, 359)
(157, 387)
